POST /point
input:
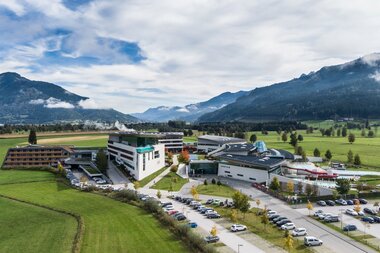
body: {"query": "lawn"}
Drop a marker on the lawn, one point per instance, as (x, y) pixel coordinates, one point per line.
(149, 178)
(215, 190)
(190, 139)
(27, 228)
(268, 232)
(370, 180)
(170, 179)
(110, 226)
(24, 176)
(367, 148)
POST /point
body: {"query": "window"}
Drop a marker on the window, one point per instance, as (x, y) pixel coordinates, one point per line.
(252, 178)
(226, 171)
(240, 175)
(144, 162)
(156, 154)
(229, 175)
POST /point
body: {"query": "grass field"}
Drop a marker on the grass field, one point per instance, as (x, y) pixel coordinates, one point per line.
(149, 178)
(169, 179)
(110, 226)
(215, 190)
(367, 148)
(27, 228)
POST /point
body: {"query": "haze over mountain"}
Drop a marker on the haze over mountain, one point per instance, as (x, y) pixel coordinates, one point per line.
(26, 101)
(347, 90)
(189, 112)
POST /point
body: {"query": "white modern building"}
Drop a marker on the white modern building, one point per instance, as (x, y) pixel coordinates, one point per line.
(140, 153)
(208, 143)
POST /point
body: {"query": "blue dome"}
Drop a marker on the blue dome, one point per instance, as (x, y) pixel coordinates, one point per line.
(261, 146)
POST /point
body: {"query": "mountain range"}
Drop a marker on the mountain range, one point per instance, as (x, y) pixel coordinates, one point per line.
(189, 112)
(34, 102)
(351, 89)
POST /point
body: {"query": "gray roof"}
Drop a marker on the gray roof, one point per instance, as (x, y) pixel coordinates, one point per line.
(221, 139)
(245, 147)
(256, 161)
(150, 134)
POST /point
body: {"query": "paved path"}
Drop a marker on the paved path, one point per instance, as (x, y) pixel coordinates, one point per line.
(164, 173)
(115, 175)
(332, 240)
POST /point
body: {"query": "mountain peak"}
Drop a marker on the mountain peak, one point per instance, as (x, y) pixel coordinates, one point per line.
(371, 59)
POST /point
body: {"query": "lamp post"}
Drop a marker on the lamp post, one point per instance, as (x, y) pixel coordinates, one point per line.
(341, 218)
(239, 245)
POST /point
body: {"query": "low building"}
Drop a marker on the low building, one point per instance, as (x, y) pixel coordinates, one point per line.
(208, 143)
(140, 153)
(173, 141)
(34, 156)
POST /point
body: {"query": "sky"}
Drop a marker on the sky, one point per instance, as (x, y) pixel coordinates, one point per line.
(132, 55)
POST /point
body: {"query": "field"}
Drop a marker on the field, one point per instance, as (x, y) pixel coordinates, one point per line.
(152, 176)
(170, 179)
(367, 148)
(110, 226)
(27, 228)
(215, 190)
(83, 140)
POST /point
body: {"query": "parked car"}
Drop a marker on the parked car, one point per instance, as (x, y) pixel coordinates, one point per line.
(318, 212)
(368, 219)
(369, 211)
(361, 213)
(180, 217)
(348, 228)
(274, 217)
(321, 203)
(271, 213)
(209, 212)
(363, 201)
(206, 209)
(238, 227)
(278, 219)
(330, 203)
(211, 239)
(299, 232)
(216, 202)
(209, 201)
(192, 224)
(166, 204)
(323, 215)
(214, 216)
(376, 219)
(331, 218)
(312, 241)
(351, 212)
(188, 201)
(288, 226)
(282, 222)
(350, 202)
(171, 212)
(341, 202)
(176, 214)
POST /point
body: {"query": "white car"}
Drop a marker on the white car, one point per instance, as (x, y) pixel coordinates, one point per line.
(361, 213)
(168, 208)
(271, 213)
(351, 212)
(209, 212)
(238, 227)
(299, 232)
(312, 241)
(323, 215)
(288, 226)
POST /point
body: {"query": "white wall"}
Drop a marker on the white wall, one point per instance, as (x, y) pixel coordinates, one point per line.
(151, 164)
(259, 175)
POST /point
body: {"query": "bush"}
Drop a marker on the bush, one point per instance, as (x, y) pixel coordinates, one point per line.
(174, 168)
(213, 181)
(205, 182)
(125, 195)
(151, 206)
(219, 183)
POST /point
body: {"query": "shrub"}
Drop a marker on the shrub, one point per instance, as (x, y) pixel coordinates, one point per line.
(205, 182)
(174, 168)
(213, 181)
(125, 195)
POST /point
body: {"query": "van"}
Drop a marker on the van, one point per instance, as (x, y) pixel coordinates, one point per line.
(312, 241)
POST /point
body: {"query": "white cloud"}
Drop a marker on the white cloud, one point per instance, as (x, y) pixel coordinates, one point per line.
(14, 6)
(89, 104)
(194, 49)
(37, 101)
(57, 103)
(183, 109)
(376, 76)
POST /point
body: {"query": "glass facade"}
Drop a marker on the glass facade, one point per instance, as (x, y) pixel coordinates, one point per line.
(204, 168)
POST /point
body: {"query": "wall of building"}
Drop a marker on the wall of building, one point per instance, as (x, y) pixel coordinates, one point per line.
(150, 162)
(242, 173)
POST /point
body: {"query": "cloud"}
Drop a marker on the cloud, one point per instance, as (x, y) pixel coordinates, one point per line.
(37, 101)
(56, 103)
(124, 53)
(376, 76)
(89, 104)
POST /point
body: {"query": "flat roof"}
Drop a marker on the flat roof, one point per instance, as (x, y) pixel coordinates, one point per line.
(260, 161)
(240, 147)
(68, 148)
(149, 134)
(221, 139)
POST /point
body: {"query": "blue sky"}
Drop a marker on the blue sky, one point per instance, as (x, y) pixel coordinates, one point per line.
(131, 55)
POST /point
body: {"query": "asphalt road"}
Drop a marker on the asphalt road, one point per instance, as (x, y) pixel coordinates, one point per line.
(332, 241)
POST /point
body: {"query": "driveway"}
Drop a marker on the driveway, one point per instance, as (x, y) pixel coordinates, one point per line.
(115, 175)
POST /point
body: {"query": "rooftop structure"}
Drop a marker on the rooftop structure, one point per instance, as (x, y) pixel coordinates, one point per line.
(208, 143)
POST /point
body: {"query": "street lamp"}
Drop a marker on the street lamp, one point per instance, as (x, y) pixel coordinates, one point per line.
(239, 245)
(341, 218)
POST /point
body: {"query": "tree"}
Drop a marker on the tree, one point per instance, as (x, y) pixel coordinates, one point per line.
(338, 132)
(316, 152)
(253, 138)
(214, 231)
(213, 181)
(264, 218)
(357, 206)
(184, 157)
(245, 205)
(174, 168)
(241, 202)
(350, 156)
(190, 132)
(300, 137)
(309, 206)
(351, 138)
(299, 187)
(304, 157)
(205, 182)
(357, 160)
(371, 134)
(363, 133)
(101, 161)
(343, 186)
(299, 150)
(308, 190)
(284, 137)
(289, 242)
(293, 139)
(32, 139)
(328, 155)
(159, 194)
(290, 186)
(275, 184)
(219, 183)
(234, 216)
(136, 185)
(258, 202)
(344, 131)
(194, 192)
(61, 170)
